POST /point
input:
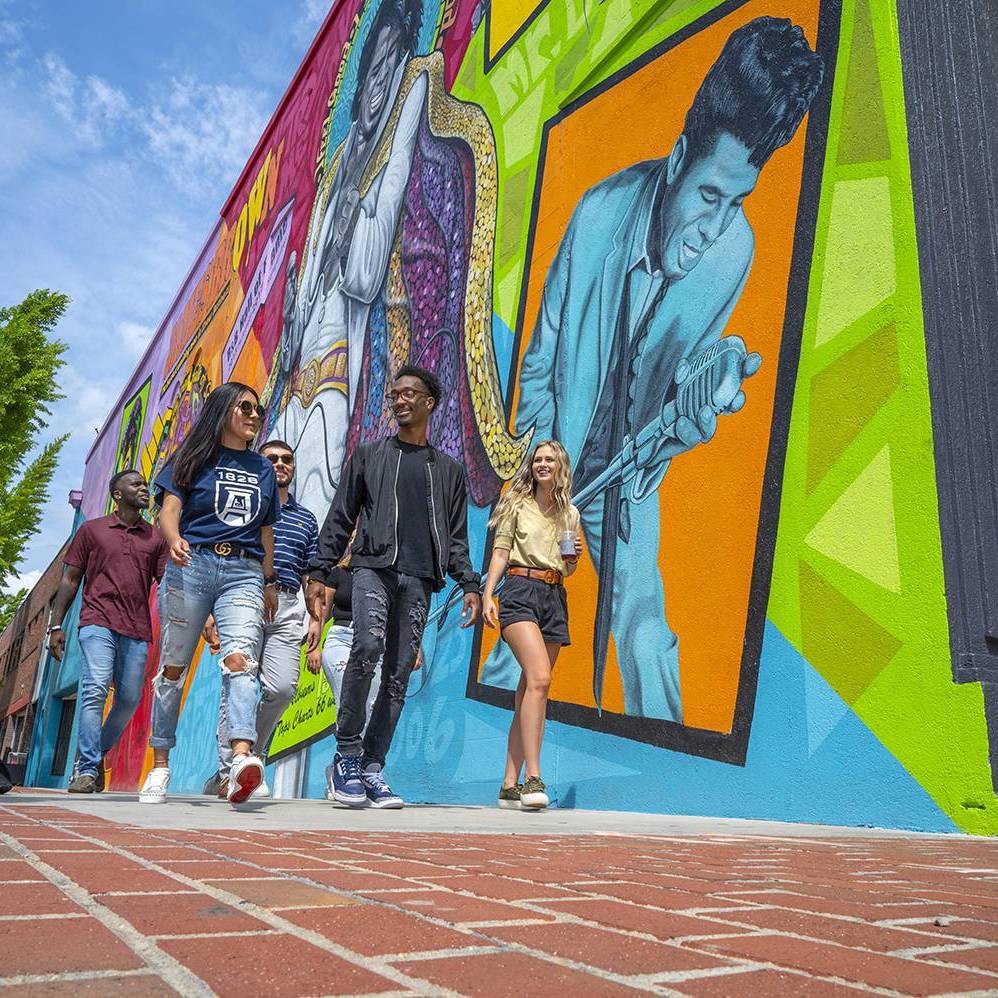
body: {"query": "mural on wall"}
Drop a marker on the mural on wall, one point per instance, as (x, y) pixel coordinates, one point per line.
(133, 415)
(629, 366)
(681, 240)
(395, 269)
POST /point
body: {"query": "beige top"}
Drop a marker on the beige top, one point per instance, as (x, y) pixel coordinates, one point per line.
(531, 538)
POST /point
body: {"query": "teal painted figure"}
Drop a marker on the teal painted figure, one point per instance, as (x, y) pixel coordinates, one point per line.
(627, 366)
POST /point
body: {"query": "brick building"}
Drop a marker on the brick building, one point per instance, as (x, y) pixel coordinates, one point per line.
(22, 645)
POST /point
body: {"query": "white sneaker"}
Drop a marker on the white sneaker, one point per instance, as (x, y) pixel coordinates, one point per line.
(330, 796)
(262, 792)
(154, 789)
(245, 776)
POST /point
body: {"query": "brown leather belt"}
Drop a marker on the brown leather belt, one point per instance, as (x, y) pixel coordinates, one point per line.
(548, 575)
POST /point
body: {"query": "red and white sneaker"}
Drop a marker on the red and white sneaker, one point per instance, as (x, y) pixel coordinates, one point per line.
(245, 776)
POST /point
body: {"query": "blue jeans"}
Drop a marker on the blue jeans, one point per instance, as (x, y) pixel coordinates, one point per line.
(107, 657)
(232, 590)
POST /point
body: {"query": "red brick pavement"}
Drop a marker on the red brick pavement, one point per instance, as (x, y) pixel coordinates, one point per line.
(88, 906)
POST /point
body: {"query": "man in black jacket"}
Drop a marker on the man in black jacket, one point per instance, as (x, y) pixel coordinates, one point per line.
(411, 510)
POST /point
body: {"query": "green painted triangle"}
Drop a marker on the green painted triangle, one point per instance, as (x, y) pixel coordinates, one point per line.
(858, 530)
(845, 396)
(859, 267)
(863, 137)
(845, 645)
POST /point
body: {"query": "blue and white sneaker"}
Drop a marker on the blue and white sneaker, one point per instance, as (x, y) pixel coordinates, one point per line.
(379, 794)
(348, 787)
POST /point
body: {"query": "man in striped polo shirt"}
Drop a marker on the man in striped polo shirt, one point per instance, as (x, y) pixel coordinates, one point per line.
(295, 536)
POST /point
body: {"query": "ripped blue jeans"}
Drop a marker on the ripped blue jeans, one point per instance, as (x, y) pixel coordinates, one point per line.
(389, 614)
(232, 590)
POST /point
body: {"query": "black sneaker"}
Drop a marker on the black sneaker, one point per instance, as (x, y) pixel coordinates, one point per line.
(101, 777)
(509, 797)
(533, 796)
(84, 783)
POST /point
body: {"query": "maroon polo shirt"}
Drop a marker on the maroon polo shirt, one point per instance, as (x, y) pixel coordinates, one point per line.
(119, 564)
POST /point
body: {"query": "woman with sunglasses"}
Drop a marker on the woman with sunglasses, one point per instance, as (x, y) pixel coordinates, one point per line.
(217, 499)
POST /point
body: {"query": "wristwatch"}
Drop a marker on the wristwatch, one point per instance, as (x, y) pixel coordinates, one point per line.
(54, 627)
(270, 580)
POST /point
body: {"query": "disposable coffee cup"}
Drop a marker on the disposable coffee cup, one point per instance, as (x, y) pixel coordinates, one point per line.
(566, 543)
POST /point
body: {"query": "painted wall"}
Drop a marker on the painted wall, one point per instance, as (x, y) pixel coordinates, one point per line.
(759, 621)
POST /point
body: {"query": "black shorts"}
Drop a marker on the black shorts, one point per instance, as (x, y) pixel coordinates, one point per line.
(531, 599)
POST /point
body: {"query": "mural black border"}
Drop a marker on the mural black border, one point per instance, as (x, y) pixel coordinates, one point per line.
(513, 39)
(731, 747)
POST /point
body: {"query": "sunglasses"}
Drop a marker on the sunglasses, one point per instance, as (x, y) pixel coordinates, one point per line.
(288, 459)
(249, 409)
(405, 394)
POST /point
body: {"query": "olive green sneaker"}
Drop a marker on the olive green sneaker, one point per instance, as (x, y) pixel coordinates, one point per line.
(509, 797)
(532, 794)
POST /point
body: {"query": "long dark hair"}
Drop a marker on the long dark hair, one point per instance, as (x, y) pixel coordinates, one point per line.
(202, 443)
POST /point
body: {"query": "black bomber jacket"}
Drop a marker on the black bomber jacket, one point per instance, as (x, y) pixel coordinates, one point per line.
(367, 496)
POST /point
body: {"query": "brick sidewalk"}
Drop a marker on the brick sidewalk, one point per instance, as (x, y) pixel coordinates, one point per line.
(89, 906)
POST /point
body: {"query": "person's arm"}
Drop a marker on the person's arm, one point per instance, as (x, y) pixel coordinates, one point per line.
(69, 585)
(497, 565)
(571, 564)
(313, 635)
(459, 568)
(269, 588)
(169, 523)
(311, 550)
(373, 235)
(335, 533)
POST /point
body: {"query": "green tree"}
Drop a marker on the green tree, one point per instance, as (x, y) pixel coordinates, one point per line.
(29, 363)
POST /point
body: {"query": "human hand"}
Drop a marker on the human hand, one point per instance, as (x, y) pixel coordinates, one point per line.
(471, 608)
(269, 603)
(313, 635)
(57, 644)
(210, 634)
(313, 660)
(490, 612)
(180, 552)
(419, 661)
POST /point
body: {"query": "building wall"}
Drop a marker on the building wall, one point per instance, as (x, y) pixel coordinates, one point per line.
(769, 637)
(21, 650)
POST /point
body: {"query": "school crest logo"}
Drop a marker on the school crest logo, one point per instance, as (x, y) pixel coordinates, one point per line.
(237, 496)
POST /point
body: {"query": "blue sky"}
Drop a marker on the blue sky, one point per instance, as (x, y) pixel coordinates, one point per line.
(123, 126)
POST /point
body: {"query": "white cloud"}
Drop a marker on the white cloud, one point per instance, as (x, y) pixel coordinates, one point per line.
(204, 132)
(134, 337)
(312, 14)
(92, 107)
(61, 85)
(23, 580)
(198, 134)
(88, 400)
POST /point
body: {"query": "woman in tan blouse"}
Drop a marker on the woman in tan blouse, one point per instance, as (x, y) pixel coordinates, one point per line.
(536, 544)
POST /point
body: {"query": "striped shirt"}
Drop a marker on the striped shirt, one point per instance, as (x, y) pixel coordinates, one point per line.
(296, 535)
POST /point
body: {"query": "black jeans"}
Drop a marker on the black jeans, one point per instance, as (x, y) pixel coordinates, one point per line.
(389, 614)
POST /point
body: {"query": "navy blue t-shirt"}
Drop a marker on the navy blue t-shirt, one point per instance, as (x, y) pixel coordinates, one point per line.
(229, 501)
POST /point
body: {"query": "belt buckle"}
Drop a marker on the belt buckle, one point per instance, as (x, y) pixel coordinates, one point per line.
(551, 577)
(223, 549)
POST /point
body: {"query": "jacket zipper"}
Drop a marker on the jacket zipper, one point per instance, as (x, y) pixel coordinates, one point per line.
(433, 521)
(395, 492)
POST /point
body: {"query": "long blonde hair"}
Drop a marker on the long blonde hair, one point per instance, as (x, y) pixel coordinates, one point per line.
(522, 486)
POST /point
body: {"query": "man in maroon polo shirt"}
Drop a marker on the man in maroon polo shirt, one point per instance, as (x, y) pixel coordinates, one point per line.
(118, 557)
